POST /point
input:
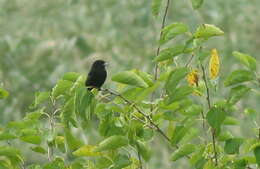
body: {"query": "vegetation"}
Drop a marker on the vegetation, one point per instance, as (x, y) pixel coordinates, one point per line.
(184, 108)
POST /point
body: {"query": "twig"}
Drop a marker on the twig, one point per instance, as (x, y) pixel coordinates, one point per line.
(203, 119)
(159, 47)
(141, 112)
(140, 160)
(213, 131)
(189, 61)
(153, 125)
(259, 133)
(161, 33)
(52, 127)
(206, 84)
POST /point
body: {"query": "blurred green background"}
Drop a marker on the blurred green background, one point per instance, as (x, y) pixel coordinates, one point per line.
(41, 40)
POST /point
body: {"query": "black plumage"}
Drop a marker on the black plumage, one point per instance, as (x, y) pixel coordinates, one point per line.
(97, 75)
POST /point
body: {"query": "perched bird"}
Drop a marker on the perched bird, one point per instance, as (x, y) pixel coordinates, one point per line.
(97, 75)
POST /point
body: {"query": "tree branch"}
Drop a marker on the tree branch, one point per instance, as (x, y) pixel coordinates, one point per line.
(189, 61)
(161, 33)
(141, 112)
(159, 46)
(140, 160)
(213, 131)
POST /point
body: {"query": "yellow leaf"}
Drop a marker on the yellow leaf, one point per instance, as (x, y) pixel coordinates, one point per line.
(193, 78)
(87, 150)
(214, 64)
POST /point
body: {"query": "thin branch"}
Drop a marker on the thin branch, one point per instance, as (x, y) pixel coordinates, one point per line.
(153, 125)
(206, 84)
(203, 119)
(141, 112)
(161, 33)
(213, 131)
(140, 160)
(159, 46)
(189, 61)
(52, 128)
(258, 133)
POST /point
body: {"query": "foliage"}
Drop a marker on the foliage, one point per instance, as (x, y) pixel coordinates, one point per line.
(192, 117)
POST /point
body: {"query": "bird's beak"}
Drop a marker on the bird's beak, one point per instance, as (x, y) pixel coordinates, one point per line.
(106, 64)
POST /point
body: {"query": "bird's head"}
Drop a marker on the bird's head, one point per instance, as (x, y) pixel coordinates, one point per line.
(99, 64)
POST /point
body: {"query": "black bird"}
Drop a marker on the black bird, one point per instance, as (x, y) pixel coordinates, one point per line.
(97, 75)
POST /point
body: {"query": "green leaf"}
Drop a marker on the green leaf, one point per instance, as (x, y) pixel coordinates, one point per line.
(71, 76)
(224, 136)
(145, 76)
(144, 150)
(72, 142)
(8, 151)
(207, 31)
(232, 145)
(3, 93)
(61, 88)
(112, 142)
(203, 55)
(156, 4)
(230, 121)
(240, 164)
(237, 93)
(145, 133)
(245, 59)
(103, 163)
(33, 139)
(180, 93)
(169, 53)
(250, 145)
(184, 150)
(239, 76)
(216, 117)
(82, 102)
(193, 110)
(197, 159)
(174, 79)
(5, 164)
(60, 143)
(67, 112)
(58, 163)
(34, 166)
(178, 133)
(7, 136)
(13, 154)
(39, 149)
(40, 97)
(196, 4)
(86, 150)
(257, 155)
(130, 78)
(173, 30)
(108, 127)
(34, 115)
(121, 161)
(22, 124)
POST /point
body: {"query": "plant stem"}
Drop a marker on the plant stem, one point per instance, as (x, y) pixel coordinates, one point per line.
(189, 61)
(258, 133)
(206, 84)
(140, 160)
(213, 131)
(141, 112)
(159, 47)
(52, 127)
(161, 33)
